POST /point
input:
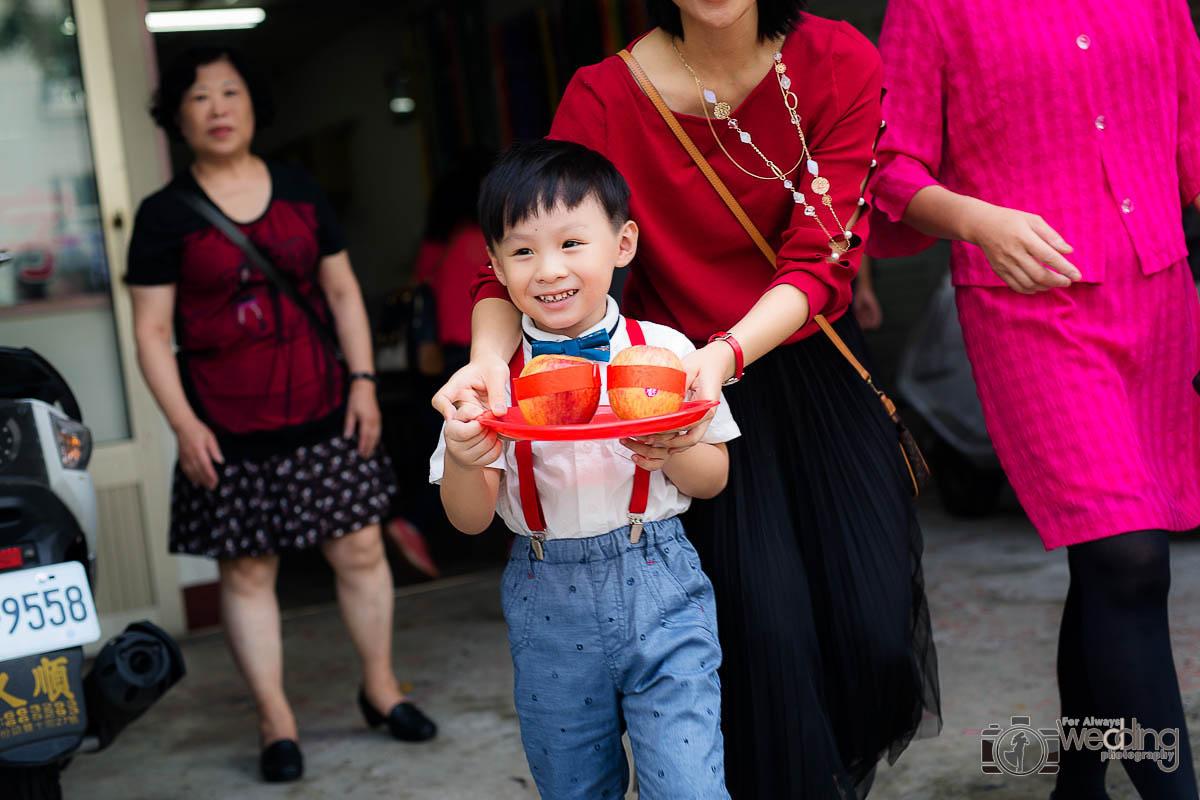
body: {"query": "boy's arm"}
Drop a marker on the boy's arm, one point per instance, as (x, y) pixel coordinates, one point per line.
(469, 487)
(700, 471)
(469, 495)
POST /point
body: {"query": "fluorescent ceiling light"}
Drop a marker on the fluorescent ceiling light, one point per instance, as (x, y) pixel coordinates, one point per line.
(216, 19)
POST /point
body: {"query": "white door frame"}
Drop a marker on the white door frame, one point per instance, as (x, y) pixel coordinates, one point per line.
(142, 460)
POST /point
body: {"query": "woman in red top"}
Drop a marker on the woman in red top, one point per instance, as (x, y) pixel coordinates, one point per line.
(813, 548)
(273, 453)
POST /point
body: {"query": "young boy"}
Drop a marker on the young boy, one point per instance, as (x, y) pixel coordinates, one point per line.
(610, 618)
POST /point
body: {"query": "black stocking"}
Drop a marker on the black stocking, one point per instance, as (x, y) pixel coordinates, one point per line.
(1124, 648)
(1081, 772)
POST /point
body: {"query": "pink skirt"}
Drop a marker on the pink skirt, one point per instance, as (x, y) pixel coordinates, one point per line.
(1088, 397)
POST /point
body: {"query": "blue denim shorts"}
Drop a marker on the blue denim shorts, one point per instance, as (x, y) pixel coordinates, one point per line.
(607, 635)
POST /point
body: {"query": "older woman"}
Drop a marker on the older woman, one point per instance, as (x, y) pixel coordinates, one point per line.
(813, 548)
(274, 453)
(1055, 149)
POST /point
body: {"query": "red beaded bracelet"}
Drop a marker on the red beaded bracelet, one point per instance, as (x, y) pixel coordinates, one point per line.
(739, 359)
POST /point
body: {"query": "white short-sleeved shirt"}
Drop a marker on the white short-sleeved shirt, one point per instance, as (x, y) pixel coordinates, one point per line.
(585, 486)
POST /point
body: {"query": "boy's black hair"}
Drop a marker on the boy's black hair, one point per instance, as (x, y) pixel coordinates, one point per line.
(180, 74)
(775, 17)
(534, 177)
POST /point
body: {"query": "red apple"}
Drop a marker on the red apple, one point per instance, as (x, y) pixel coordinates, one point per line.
(645, 381)
(545, 401)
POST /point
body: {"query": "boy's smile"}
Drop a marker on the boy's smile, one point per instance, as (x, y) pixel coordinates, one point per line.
(557, 264)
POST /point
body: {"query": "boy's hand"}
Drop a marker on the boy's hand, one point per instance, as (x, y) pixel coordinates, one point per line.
(647, 454)
(471, 445)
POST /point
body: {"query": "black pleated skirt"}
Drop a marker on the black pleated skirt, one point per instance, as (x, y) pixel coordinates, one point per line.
(815, 554)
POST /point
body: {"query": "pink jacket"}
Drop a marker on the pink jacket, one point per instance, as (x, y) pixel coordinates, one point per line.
(1082, 111)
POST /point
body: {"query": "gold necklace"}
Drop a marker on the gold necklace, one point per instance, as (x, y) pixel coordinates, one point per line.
(722, 111)
(820, 185)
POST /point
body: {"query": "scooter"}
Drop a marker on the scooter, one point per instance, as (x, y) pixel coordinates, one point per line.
(49, 710)
(935, 381)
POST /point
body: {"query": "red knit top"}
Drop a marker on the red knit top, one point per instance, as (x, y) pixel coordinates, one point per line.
(697, 270)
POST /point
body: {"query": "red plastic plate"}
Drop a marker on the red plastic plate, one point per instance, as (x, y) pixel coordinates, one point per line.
(605, 425)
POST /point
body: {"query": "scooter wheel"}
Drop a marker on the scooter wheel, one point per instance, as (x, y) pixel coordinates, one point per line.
(31, 783)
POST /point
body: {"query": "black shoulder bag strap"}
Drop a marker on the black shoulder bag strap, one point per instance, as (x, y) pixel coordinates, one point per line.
(269, 271)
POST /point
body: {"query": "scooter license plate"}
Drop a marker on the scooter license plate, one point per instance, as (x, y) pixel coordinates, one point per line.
(41, 699)
(44, 609)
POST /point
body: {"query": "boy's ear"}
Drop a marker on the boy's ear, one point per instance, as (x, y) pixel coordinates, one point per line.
(627, 239)
(497, 268)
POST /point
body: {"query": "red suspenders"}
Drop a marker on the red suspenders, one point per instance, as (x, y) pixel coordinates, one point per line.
(531, 504)
(641, 477)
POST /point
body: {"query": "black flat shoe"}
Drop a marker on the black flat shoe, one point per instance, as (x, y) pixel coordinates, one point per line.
(281, 761)
(405, 720)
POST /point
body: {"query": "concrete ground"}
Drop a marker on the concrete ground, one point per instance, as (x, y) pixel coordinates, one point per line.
(995, 597)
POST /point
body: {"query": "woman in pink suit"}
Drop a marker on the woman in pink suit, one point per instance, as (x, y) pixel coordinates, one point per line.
(1055, 145)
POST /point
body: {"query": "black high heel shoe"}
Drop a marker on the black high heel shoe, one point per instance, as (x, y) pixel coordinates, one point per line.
(405, 720)
(281, 761)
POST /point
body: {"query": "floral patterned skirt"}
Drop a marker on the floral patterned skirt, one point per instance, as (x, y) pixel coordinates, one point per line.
(290, 501)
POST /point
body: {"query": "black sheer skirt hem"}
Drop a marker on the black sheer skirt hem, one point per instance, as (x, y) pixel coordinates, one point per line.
(815, 553)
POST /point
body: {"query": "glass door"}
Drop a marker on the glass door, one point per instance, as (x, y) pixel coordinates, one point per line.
(77, 150)
(55, 277)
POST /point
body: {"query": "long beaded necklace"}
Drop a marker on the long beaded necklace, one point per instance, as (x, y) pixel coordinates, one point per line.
(820, 185)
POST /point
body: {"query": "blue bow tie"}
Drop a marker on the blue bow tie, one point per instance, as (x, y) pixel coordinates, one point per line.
(594, 346)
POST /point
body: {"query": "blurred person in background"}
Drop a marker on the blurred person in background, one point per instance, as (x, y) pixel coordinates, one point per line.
(437, 315)
(867, 310)
(450, 254)
(277, 438)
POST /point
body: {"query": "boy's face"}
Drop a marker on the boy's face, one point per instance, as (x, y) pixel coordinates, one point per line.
(558, 264)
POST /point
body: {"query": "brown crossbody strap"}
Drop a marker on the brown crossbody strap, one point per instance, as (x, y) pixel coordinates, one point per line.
(696, 155)
(640, 75)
